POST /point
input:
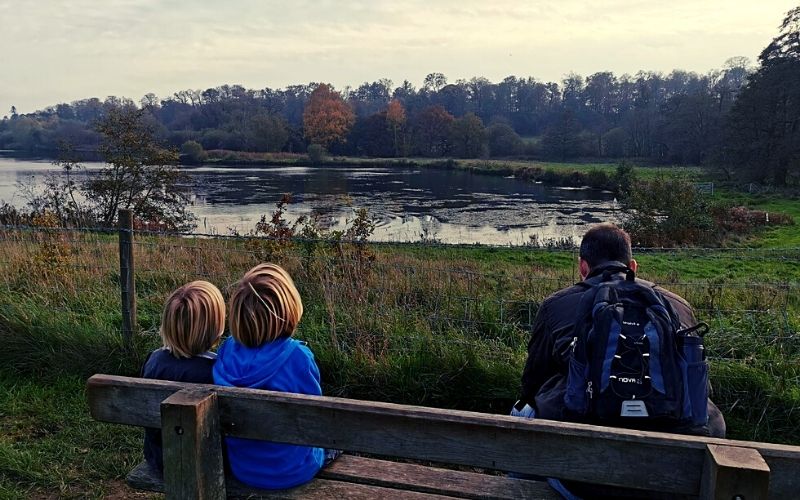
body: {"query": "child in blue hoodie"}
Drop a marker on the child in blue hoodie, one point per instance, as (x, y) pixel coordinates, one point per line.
(265, 309)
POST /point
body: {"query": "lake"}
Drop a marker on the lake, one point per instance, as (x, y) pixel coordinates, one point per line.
(407, 203)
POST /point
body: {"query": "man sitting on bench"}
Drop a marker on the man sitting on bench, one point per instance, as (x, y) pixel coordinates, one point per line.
(616, 350)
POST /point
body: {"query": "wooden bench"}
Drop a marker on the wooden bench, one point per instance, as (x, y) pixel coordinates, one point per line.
(193, 418)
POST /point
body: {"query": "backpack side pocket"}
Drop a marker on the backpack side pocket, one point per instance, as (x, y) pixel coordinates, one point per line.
(696, 378)
(576, 398)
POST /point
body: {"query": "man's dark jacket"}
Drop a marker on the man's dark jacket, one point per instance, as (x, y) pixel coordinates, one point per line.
(545, 374)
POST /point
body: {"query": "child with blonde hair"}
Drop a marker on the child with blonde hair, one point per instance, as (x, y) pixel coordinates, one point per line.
(264, 311)
(192, 322)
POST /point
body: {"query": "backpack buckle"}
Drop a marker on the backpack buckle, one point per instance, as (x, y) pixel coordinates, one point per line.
(633, 408)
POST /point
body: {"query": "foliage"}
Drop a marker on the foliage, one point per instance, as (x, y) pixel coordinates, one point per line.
(623, 179)
(672, 212)
(326, 118)
(375, 136)
(193, 151)
(763, 131)
(316, 154)
(739, 220)
(614, 142)
(468, 137)
(12, 216)
(503, 140)
(562, 140)
(275, 235)
(396, 120)
(432, 131)
(435, 325)
(667, 212)
(266, 133)
(787, 44)
(139, 174)
(675, 117)
(61, 196)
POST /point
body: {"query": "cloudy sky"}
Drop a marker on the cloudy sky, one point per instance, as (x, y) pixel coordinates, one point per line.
(55, 51)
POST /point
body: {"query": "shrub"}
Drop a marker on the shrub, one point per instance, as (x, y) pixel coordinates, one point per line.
(193, 152)
(503, 140)
(316, 154)
(614, 142)
(667, 212)
(741, 219)
(597, 179)
(623, 179)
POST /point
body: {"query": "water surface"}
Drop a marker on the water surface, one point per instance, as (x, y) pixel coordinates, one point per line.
(407, 203)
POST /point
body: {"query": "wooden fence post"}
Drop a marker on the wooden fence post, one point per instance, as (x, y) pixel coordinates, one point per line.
(192, 444)
(126, 276)
(734, 473)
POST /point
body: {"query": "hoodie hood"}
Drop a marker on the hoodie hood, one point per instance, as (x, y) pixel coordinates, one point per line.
(242, 366)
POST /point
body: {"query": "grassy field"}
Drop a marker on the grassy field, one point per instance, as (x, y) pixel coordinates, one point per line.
(774, 237)
(609, 168)
(485, 166)
(50, 447)
(431, 325)
(435, 325)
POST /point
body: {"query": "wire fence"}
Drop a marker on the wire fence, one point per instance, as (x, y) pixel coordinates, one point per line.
(466, 311)
(381, 297)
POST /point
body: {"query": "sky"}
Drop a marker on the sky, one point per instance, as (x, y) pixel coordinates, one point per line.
(54, 51)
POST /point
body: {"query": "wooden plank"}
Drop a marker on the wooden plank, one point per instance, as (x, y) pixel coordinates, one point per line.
(434, 480)
(551, 449)
(192, 444)
(145, 478)
(734, 472)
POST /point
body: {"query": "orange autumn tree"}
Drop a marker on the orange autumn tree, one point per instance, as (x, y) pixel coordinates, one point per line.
(395, 118)
(326, 118)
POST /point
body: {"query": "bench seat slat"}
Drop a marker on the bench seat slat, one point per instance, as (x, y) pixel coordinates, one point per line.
(143, 477)
(433, 479)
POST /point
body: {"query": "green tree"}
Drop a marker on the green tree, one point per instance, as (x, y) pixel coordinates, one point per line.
(468, 137)
(432, 129)
(503, 141)
(614, 143)
(267, 133)
(562, 140)
(763, 133)
(139, 174)
(316, 154)
(667, 212)
(434, 82)
(193, 151)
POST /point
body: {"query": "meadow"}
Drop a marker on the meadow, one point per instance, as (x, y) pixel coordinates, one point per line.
(426, 324)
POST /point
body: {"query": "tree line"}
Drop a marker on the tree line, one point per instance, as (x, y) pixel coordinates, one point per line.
(741, 118)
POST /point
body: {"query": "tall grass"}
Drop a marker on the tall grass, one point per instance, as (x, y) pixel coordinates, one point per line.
(431, 325)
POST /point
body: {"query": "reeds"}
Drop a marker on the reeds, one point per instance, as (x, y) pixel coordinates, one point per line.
(431, 325)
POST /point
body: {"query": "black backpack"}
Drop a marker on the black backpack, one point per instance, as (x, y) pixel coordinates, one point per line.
(630, 365)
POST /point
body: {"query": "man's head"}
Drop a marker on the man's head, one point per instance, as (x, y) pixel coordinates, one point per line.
(604, 243)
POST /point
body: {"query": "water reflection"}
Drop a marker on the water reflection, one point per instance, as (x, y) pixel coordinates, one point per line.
(445, 205)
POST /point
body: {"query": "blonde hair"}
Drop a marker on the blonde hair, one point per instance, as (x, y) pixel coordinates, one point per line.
(265, 306)
(193, 319)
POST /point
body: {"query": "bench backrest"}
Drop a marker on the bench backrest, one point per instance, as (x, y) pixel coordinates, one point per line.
(683, 465)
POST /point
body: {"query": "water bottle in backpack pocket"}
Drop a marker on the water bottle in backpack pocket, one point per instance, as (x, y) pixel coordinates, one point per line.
(579, 388)
(695, 369)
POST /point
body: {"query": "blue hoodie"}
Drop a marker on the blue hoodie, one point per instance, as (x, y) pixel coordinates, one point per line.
(284, 365)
